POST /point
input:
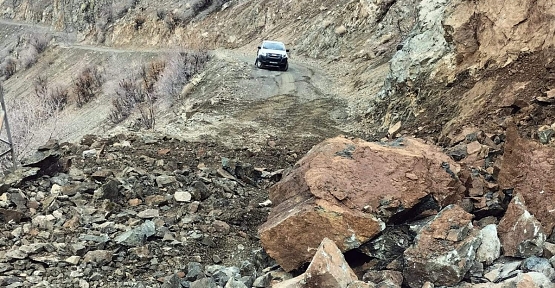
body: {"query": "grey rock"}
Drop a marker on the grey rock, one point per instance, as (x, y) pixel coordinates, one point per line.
(95, 238)
(458, 152)
(182, 196)
(149, 213)
(263, 281)
(16, 177)
(390, 245)
(200, 191)
(232, 283)
(545, 136)
(537, 264)
(137, 236)
(490, 248)
(195, 271)
(89, 153)
(204, 283)
(165, 180)
(110, 191)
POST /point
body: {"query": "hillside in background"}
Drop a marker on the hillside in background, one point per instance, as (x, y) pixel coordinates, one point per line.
(154, 153)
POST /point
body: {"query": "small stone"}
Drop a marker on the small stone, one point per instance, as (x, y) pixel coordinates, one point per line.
(221, 226)
(89, 153)
(182, 196)
(155, 200)
(266, 203)
(193, 208)
(165, 180)
(134, 202)
(98, 257)
(340, 30)
(216, 259)
(148, 214)
(74, 260)
(194, 271)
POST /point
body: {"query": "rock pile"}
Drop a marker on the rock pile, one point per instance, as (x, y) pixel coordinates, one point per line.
(406, 214)
(135, 211)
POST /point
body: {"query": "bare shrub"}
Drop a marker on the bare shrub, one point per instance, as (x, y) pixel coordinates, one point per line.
(128, 95)
(51, 100)
(151, 73)
(28, 57)
(180, 68)
(58, 98)
(86, 85)
(139, 21)
(8, 67)
(40, 42)
(121, 8)
(161, 14)
(147, 117)
(41, 87)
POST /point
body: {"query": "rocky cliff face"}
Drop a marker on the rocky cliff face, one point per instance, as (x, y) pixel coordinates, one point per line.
(482, 51)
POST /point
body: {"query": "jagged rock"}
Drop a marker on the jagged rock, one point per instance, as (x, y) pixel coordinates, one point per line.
(501, 271)
(548, 250)
(389, 246)
(204, 283)
(149, 213)
(195, 271)
(137, 236)
(182, 196)
(537, 264)
(520, 233)
(7, 215)
(384, 278)
(110, 191)
(263, 281)
(458, 152)
(98, 257)
(232, 283)
(15, 178)
(527, 167)
(490, 248)
(328, 269)
(361, 182)
(444, 250)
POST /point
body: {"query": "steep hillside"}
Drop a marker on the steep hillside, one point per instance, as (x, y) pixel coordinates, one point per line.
(187, 164)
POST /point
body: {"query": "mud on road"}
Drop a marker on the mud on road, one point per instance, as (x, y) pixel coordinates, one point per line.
(243, 106)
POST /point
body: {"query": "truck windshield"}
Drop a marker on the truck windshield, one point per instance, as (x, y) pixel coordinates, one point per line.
(273, 46)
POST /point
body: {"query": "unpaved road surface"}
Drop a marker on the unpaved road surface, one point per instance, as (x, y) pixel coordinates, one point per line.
(244, 106)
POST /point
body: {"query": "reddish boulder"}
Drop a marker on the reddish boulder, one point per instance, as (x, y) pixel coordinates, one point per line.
(520, 233)
(346, 189)
(328, 269)
(444, 250)
(528, 167)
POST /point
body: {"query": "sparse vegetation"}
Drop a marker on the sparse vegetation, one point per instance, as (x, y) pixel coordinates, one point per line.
(28, 57)
(139, 21)
(87, 85)
(8, 67)
(180, 68)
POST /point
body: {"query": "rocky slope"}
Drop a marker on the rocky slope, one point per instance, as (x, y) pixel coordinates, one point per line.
(468, 203)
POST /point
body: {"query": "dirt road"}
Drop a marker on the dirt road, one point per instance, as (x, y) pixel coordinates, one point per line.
(247, 107)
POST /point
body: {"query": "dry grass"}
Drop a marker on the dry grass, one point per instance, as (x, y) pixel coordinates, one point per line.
(87, 85)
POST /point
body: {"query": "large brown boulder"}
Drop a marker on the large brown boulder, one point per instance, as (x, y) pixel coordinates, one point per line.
(444, 250)
(346, 190)
(528, 167)
(520, 233)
